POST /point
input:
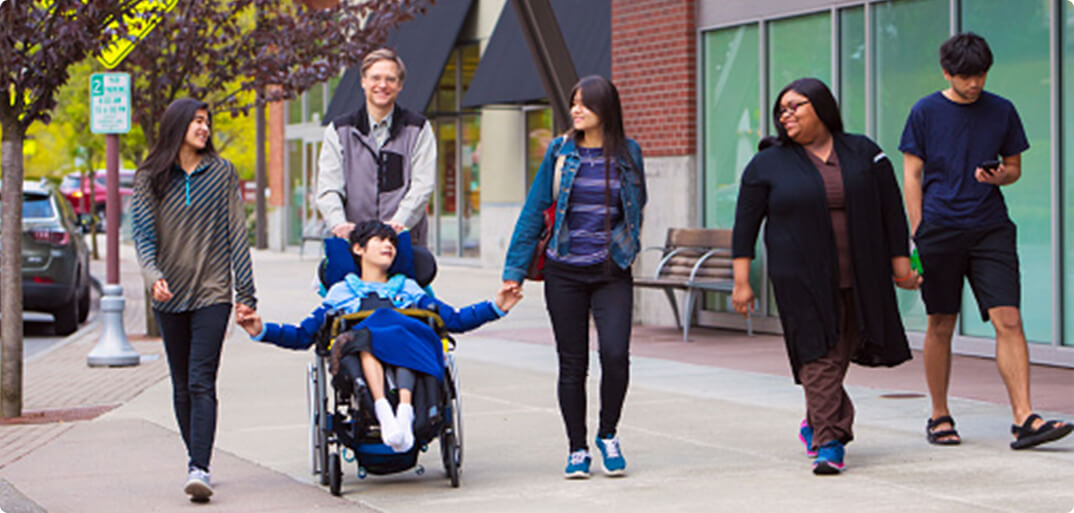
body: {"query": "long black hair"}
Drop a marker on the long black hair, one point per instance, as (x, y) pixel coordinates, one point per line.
(601, 97)
(820, 97)
(159, 163)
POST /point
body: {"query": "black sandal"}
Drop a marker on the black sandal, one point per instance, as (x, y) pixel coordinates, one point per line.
(1026, 436)
(940, 437)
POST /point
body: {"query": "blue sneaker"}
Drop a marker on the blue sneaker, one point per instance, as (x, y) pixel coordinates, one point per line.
(829, 458)
(611, 457)
(805, 434)
(578, 465)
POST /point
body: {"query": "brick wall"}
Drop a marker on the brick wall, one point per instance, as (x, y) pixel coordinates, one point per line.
(653, 66)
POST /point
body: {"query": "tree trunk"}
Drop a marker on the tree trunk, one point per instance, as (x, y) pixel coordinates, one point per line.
(11, 272)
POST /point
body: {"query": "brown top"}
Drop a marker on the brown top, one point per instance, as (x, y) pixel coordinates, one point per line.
(832, 175)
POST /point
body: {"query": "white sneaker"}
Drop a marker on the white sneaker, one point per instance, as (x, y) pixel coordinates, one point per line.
(198, 485)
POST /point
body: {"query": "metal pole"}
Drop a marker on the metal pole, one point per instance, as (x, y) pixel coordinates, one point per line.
(112, 208)
(112, 348)
(261, 236)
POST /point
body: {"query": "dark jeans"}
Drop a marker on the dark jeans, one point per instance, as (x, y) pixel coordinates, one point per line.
(193, 341)
(571, 293)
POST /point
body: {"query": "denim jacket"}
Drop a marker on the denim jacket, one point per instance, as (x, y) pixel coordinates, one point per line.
(625, 242)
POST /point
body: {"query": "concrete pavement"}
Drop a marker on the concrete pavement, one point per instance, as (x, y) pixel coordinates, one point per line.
(708, 426)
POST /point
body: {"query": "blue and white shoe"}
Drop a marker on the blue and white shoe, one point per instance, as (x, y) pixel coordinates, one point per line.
(805, 434)
(611, 456)
(829, 458)
(578, 465)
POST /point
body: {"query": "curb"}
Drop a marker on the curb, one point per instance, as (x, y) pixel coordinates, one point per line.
(13, 501)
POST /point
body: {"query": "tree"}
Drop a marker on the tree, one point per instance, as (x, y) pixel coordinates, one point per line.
(221, 51)
(39, 41)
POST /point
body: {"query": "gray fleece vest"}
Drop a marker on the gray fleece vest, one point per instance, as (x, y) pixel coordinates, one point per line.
(376, 181)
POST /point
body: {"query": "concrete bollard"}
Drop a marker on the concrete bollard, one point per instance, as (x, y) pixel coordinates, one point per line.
(113, 349)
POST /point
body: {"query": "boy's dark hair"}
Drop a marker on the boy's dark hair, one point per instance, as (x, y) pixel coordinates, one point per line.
(965, 54)
(366, 230)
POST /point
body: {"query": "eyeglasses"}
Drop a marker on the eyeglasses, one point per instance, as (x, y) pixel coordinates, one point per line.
(792, 108)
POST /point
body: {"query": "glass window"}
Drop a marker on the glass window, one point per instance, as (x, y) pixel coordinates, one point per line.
(1067, 24)
(470, 182)
(539, 134)
(471, 56)
(1021, 74)
(445, 89)
(907, 36)
(36, 207)
(731, 99)
(852, 69)
(798, 47)
(448, 183)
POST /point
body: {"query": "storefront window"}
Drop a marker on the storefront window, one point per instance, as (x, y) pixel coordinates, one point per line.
(798, 47)
(732, 114)
(458, 160)
(1021, 74)
(907, 35)
(539, 134)
(1067, 24)
(852, 69)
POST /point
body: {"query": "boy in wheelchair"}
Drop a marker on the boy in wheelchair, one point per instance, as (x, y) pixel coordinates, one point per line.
(386, 336)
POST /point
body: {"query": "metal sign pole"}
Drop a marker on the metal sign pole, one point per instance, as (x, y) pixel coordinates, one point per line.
(110, 102)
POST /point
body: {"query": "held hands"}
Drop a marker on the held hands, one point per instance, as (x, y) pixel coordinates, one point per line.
(249, 319)
(904, 275)
(161, 292)
(742, 298)
(509, 295)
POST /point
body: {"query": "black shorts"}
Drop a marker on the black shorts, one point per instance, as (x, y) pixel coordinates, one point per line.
(987, 257)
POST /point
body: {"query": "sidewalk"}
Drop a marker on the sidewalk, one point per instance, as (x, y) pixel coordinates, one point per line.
(708, 426)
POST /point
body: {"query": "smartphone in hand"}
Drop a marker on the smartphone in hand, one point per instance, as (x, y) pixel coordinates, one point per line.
(990, 166)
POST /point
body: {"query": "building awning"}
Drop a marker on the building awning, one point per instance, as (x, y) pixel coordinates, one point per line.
(507, 74)
(424, 44)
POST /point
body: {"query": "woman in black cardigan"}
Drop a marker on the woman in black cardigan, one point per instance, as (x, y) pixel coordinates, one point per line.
(837, 239)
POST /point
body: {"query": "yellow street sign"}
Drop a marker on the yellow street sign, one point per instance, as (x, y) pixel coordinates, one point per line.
(147, 14)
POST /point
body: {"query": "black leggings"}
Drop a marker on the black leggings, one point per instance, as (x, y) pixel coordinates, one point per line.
(350, 363)
(193, 341)
(571, 293)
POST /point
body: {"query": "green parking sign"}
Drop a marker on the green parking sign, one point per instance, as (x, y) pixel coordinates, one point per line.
(110, 103)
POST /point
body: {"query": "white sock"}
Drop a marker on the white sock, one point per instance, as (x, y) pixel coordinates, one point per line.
(404, 417)
(390, 433)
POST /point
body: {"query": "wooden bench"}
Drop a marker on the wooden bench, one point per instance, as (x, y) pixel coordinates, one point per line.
(695, 260)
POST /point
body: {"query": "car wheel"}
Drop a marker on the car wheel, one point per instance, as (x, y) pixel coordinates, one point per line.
(66, 317)
(83, 303)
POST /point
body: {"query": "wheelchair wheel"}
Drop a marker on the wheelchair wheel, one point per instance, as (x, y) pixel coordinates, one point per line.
(451, 436)
(335, 474)
(318, 411)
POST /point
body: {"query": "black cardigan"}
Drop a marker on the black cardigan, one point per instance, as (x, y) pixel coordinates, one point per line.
(782, 185)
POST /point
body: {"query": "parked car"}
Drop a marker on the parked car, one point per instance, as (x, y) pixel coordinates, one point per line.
(55, 259)
(77, 191)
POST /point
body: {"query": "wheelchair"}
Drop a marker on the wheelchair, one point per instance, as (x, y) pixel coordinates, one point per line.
(342, 424)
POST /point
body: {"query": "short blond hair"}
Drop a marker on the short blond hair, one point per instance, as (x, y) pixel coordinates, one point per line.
(384, 54)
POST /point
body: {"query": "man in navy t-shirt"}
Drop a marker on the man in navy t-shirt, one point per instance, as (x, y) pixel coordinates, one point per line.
(961, 229)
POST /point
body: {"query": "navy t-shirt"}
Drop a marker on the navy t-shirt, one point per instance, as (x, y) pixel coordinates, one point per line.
(953, 139)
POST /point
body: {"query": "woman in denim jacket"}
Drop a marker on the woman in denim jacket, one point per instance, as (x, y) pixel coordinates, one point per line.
(594, 240)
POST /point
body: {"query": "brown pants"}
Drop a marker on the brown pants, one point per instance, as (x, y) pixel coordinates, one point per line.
(828, 408)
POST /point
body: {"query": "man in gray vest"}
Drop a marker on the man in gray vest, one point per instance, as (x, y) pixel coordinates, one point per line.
(380, 161)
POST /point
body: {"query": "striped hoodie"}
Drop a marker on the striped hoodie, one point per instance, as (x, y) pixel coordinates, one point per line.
(194, 237)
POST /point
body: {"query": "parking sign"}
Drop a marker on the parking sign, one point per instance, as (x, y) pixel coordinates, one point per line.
(110, 103)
